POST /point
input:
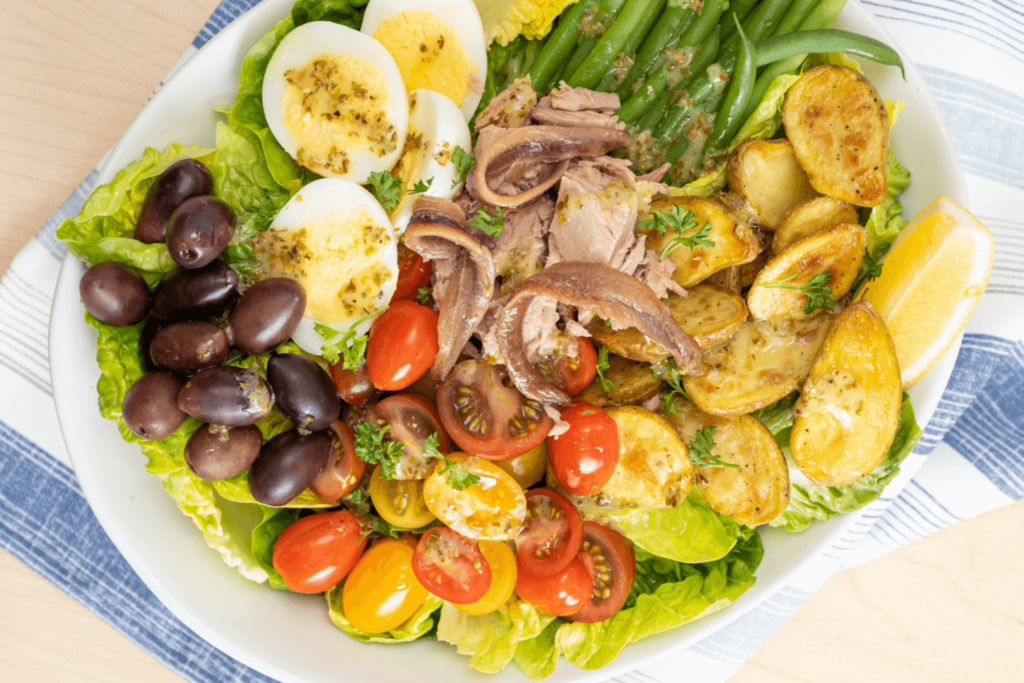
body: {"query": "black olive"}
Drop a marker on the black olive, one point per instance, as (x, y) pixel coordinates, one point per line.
(199, 231)
(224, 395)
(190, 346)
(303, 391)
(287, 464)
(114, 294)
(216, 453)
(182, 180)
(267, 314)
(150, 407)
(196, 294)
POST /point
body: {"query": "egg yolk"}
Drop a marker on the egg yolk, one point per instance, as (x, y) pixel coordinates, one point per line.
(428, 54)
(334, 106)
(335, 259)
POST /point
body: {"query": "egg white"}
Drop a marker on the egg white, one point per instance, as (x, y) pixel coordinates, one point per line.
(462, 16)
(319, 38)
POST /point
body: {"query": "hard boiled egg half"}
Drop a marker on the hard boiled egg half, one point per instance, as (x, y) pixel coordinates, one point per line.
(335, 240)
(436, 128)
(437, 44)
(335, 100)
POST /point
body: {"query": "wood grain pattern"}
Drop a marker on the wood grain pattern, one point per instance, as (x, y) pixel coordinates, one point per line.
(72, 77)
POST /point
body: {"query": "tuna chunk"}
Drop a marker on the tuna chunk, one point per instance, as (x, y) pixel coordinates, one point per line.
(575, 119)
(521, 248)
(510, 107)
(580, 99)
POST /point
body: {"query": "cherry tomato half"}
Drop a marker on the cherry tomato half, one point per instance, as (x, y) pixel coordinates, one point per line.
(343, 470)
(400, 503)
(584, 458)
(561, 594)
(552, 533)
(451, 566)
(413, 273)
(503, 578)
(610, 559)
(578, 371)
(486, 416)
(382, 592)
(492, 509)
(354, 386)
(402, 346)
(316, 552)
(411, 421)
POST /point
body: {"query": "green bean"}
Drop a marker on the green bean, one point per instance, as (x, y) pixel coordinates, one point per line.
(599, 60)
(498, 56)
(604, 15)
(742, 9)
(737, 97)
(709, 17)
(795, 16)
(503, 76)
(655, 112)
(669, 27)
(699, 87)
(611, 80)
(826, 40)
(563, 41)
(530, 52)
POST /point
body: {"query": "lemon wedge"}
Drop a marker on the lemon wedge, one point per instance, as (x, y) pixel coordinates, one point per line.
(931, 282)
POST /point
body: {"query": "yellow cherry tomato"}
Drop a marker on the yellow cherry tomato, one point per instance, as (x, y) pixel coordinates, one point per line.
(502, 560)
(399, 502)
(382, 592)
(529, 468)
(492, 510)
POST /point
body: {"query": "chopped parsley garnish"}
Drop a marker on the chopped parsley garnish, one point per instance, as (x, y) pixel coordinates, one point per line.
(350, 350)
(489, 223)
(681, 221)
(459, 478)
(422, 186)
(423, 295)
(602, 367)
(817, 289)
(387, 188)
(373, 449)
(463, 161)
(870, 269)
(701, 447)
(668, 372)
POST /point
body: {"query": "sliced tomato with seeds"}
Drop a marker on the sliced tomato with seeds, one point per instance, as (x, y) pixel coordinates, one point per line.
(610, 560)
(561, 594)
(413, 273)
(343, 470)
(486, 415)
(552, 533)
(578, 371)
(451, 566)
(412, 420)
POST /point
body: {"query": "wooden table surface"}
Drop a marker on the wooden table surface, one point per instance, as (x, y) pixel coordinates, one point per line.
(72, 77)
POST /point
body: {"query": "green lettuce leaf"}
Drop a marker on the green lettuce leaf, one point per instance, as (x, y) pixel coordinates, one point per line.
(492, 640)
(885, 221)
(416, 626)
(275, 520)
(538, 657)
(103, 229)
(346, 12)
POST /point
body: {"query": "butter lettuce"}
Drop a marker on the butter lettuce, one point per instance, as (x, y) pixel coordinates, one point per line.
(885, 221)
(505, 20)
(418, 625)
(492, 639)
(275, 520)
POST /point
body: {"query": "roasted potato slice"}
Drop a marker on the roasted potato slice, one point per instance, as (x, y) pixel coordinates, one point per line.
(764, 361)
(839, 128)
(654, 469)
(809, 217)
(838, 252)
(768, 175)
(708, 314)
(757, 490)
(849, 408)
(735, 242)
(632, 382)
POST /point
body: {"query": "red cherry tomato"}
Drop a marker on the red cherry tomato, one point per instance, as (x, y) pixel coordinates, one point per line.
(316, 552)
(486, 416)
(451, 566)
(561, 594)
(584, 458)
(552, 533)
(411, 420)
(354, 386)
(578, 371)
(413, 273)
(343, 470)
(609, 558)
(402, 346)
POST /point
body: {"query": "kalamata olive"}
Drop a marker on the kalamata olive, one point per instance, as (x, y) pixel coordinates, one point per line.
(196, 294)
(354, 386)
(199, 231)
(216, 453)
(267, 314)
(150, 407)
(224, 395)
(287, 464)
(114, 294)
(149, 330)
(190, 346)
(182, 180)
(303, 391)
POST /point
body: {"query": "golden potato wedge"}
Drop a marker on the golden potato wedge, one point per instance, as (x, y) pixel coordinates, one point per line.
(839, 128)
(632, 382)
(764, 361)
(849, 408)
(735, 242)
(809, 217)
(654, 469)
(708, 314)
(727, 278)
(837, 252)
(757, 490)
(768, 175)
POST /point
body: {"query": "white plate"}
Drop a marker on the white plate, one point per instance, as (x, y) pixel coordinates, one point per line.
(290, 637)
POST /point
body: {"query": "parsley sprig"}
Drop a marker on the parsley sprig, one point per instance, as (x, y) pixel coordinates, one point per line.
(817, 289)
(684, 223)
(701, 447)
(459, 478)
(387, 188)
(489, 223)
(422, 186)
(423, 295)
(463, 161)
(668, 372)
(350, 350)
(373, 449)
(602, 367)
(870, 269)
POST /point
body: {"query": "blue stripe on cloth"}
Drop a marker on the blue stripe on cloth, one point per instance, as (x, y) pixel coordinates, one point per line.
(226, 12)
(46, 523)
(738, 641)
